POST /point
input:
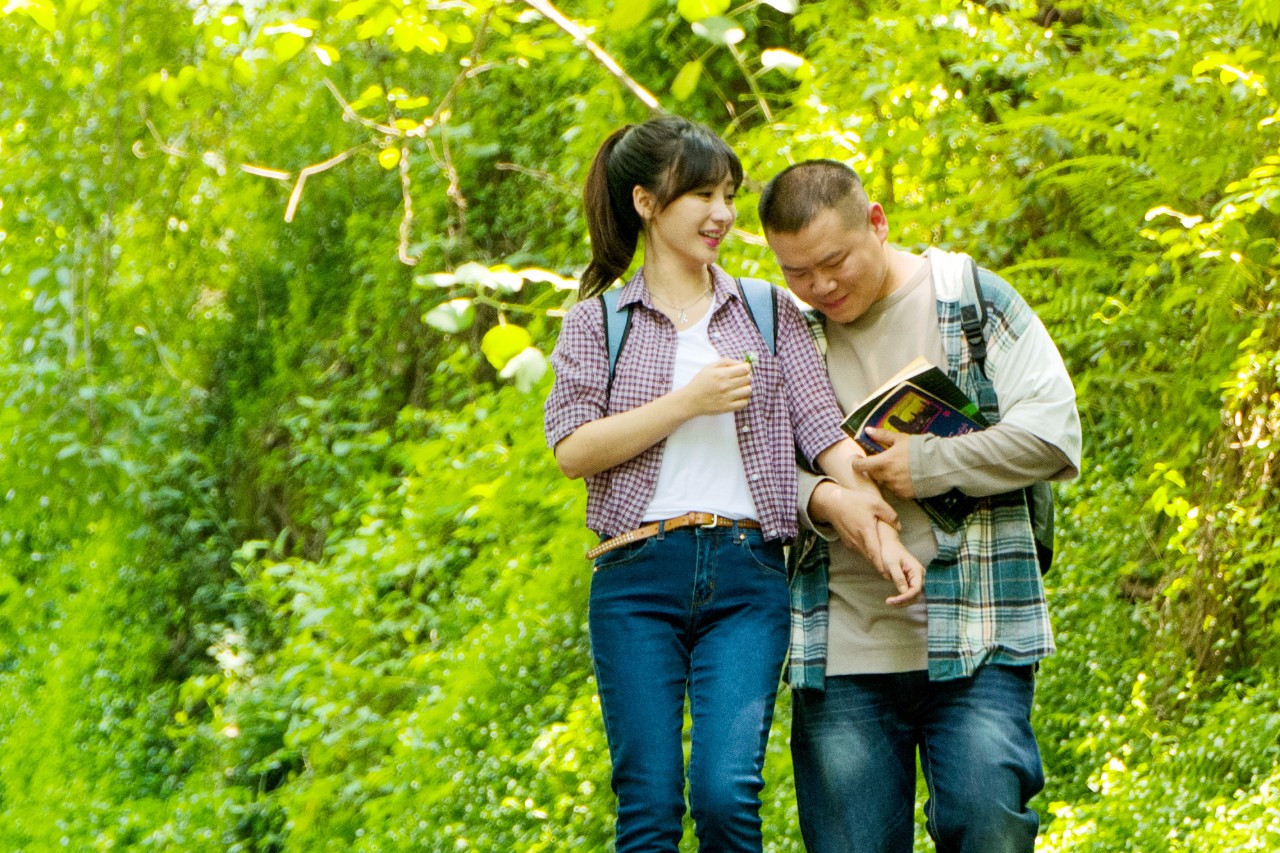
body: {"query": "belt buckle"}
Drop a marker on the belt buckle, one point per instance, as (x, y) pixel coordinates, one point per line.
(714, 522)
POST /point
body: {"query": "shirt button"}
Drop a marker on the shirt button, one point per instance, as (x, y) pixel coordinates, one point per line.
(755, 477)
(746, 429)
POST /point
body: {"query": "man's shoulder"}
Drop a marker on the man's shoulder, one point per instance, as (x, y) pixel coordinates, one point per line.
(951, 269)
(997, 290)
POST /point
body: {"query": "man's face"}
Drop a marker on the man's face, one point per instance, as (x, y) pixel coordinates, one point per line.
(839, 269)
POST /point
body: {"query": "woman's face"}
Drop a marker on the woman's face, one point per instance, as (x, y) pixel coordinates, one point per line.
(692, 227)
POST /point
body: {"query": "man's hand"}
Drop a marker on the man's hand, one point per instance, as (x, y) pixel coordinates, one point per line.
(888, 469)
(856, 516)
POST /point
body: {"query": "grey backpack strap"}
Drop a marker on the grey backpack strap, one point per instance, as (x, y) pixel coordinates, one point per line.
(761, 299)
(617, 324)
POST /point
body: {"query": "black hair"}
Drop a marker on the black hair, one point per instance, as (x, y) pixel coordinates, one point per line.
(668, 156)
(798, 193)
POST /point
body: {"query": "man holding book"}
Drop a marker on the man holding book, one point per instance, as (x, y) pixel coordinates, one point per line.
(950, 678)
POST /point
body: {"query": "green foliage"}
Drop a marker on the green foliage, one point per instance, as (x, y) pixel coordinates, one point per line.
(284, 562)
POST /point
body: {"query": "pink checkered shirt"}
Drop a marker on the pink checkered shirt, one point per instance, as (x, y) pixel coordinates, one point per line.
(792, 405)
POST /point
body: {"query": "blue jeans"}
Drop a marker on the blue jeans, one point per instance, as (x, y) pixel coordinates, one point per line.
(702, 612)
(854, 749)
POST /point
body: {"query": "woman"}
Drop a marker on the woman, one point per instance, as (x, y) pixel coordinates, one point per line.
(688, 450)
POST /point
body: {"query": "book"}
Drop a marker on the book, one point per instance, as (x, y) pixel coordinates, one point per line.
(920, 400)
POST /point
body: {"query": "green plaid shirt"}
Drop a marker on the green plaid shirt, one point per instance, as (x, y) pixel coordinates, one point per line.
(983, 591)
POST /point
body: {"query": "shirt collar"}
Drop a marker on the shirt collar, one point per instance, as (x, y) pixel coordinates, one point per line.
(634, 290)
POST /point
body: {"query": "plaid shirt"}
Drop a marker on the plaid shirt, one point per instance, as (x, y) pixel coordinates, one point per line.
(792, 405)
(983, 591)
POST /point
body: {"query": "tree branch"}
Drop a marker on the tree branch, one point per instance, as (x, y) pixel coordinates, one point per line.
(406, 221)
(306, 172)
(578, 34)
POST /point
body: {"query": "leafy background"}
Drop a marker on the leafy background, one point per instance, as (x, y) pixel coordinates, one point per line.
(284, 561)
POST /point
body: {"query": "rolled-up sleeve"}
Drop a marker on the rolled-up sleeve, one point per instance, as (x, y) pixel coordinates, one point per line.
(581, 368)
(811, 404)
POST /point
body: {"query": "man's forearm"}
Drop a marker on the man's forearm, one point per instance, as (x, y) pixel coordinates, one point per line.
(998, 459)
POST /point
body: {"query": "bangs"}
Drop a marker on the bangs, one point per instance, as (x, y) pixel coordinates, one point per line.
(702, 160)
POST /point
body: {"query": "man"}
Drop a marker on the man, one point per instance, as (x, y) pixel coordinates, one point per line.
(950, 677)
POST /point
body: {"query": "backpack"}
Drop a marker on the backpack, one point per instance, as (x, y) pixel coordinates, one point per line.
(760, 297)
(973, 318)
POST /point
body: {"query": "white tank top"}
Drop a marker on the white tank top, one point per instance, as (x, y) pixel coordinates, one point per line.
(702, 466)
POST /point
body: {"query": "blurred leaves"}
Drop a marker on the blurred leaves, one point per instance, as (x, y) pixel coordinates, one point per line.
(284, 560)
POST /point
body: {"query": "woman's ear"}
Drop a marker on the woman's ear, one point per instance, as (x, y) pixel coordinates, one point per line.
(644, 202)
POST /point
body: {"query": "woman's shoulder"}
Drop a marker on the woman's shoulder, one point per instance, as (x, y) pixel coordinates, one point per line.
(585, 313)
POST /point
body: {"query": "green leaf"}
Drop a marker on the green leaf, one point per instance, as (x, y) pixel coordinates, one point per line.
(724, 31)
(378, 25)
(783, 60)
(355, 9)
(626, 16)
(287, 46)
(407, 35)
(526, 367)
(458, 32)
(456, 315)
(327, 54)
(368, 97)
(697, 10)
(502, 343)
(389, 158)
(474, 274)
(687, 80)
(242, 70)
(44, 13)
(541, 276)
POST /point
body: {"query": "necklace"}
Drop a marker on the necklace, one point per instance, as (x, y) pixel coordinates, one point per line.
(681, 316)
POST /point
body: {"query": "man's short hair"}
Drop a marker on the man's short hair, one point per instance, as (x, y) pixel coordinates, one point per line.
(797, 194)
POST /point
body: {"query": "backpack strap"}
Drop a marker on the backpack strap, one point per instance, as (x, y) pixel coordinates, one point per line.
(817, 330)
(1039, 495)
(973, 316)
(761, 299)
(617, 325)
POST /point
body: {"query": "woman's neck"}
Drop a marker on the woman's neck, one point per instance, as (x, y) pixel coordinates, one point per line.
(676, 282)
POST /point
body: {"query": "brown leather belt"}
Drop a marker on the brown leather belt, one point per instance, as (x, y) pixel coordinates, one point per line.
(689, 519)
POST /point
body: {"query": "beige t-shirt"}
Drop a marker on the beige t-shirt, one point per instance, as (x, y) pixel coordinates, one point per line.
(865, 635)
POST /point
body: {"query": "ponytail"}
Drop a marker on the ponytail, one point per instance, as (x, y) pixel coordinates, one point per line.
(613, 224)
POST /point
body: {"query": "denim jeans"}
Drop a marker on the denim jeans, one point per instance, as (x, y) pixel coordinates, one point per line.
(854, 749)
(702, 612)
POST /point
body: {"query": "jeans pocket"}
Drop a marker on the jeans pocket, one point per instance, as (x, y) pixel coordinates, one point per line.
(766, 556)
(623, 555)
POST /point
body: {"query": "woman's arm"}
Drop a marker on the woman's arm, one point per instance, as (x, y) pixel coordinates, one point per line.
(903, 569)
(722, 386)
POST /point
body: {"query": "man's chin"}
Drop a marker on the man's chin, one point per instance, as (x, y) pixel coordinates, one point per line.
(841, 311)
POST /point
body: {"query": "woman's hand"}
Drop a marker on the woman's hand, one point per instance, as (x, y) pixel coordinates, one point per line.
(722, 386)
